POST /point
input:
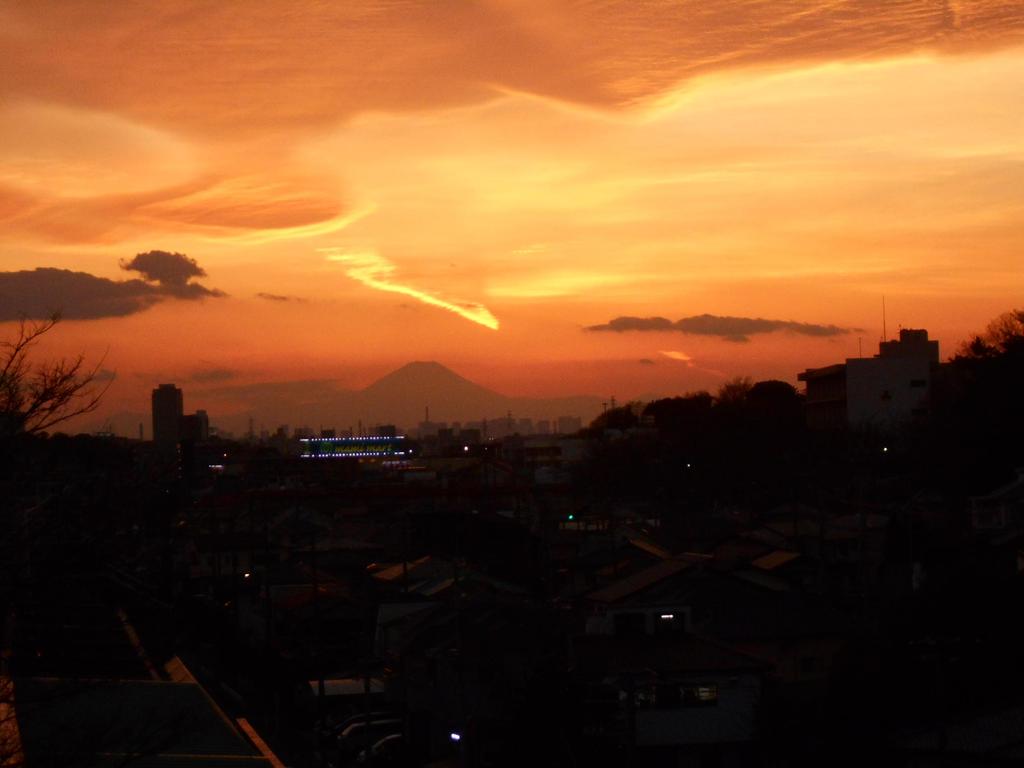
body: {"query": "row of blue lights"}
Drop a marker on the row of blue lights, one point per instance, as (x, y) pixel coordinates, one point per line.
(343, 439)
(359, 453)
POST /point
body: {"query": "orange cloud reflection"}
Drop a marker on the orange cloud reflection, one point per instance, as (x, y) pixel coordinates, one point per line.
(375, 272)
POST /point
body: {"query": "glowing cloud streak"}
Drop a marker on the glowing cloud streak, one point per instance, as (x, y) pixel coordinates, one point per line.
(374, 271)
(330, 226)
(688, 361)
(682, 357)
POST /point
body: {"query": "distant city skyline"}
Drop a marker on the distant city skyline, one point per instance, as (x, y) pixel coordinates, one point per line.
(404, 398)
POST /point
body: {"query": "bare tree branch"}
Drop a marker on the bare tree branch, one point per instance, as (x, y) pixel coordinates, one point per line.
(37, 396)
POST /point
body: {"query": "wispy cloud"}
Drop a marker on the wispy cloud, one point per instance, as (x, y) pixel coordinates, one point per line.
(374, 271)
(672, 354)
(213, 375)
(407, 56)
(279, 297)
(317, 229)
(737, 329)
(242, 210)
(689, 362)
(566, 282)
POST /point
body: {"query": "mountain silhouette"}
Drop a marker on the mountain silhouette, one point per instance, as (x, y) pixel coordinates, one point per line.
(405, 395)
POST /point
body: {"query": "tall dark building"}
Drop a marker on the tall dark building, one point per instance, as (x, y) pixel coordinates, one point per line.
(168, 406)
(195, 427)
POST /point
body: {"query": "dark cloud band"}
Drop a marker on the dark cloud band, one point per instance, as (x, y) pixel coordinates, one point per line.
(213, 375)
(726, 327)
(172, 271)
(278, 297)
(40, 292)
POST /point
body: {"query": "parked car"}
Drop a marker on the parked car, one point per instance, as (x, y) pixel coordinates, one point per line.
(389, 752)
(360, 734)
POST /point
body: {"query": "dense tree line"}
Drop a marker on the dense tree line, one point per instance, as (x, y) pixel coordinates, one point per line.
(749, 444)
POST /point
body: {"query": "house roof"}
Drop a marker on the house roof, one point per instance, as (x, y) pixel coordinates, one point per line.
(1011, 491)
(775, 559)
(293, 597)
(733, 608)
(433, 586)
(994, 734)
(347, 686)
(641, 580)
(650, 547)
(234, 541)
(835, 527)
(664, 655)
(422, 568)
(738, 550)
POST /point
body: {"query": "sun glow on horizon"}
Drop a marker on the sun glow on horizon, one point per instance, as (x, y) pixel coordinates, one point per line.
(555, 166)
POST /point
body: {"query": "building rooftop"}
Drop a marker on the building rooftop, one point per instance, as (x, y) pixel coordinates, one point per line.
(818, 373)
(120, 722)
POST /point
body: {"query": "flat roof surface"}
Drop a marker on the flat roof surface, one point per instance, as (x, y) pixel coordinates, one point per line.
(814, 373)
(141, 723)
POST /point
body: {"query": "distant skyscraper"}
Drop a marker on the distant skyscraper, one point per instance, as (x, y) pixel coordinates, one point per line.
(168, 406)
(569, 425)
(195, 427)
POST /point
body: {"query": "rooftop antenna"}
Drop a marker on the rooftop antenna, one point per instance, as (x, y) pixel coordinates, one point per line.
(885, 336)
(860, 346)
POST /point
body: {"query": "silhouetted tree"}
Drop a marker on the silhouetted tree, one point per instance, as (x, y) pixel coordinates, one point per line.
(623, 417)
(973, 440)
(734, 392)
(35, 396)
(773, 395)
(777, 406)
(691, 412)
(1003, 336)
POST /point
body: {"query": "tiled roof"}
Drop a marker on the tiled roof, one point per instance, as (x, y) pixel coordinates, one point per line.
(640, 580)
(775, 559)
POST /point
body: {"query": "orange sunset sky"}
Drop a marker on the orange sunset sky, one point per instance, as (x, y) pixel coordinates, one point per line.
(481, 183)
